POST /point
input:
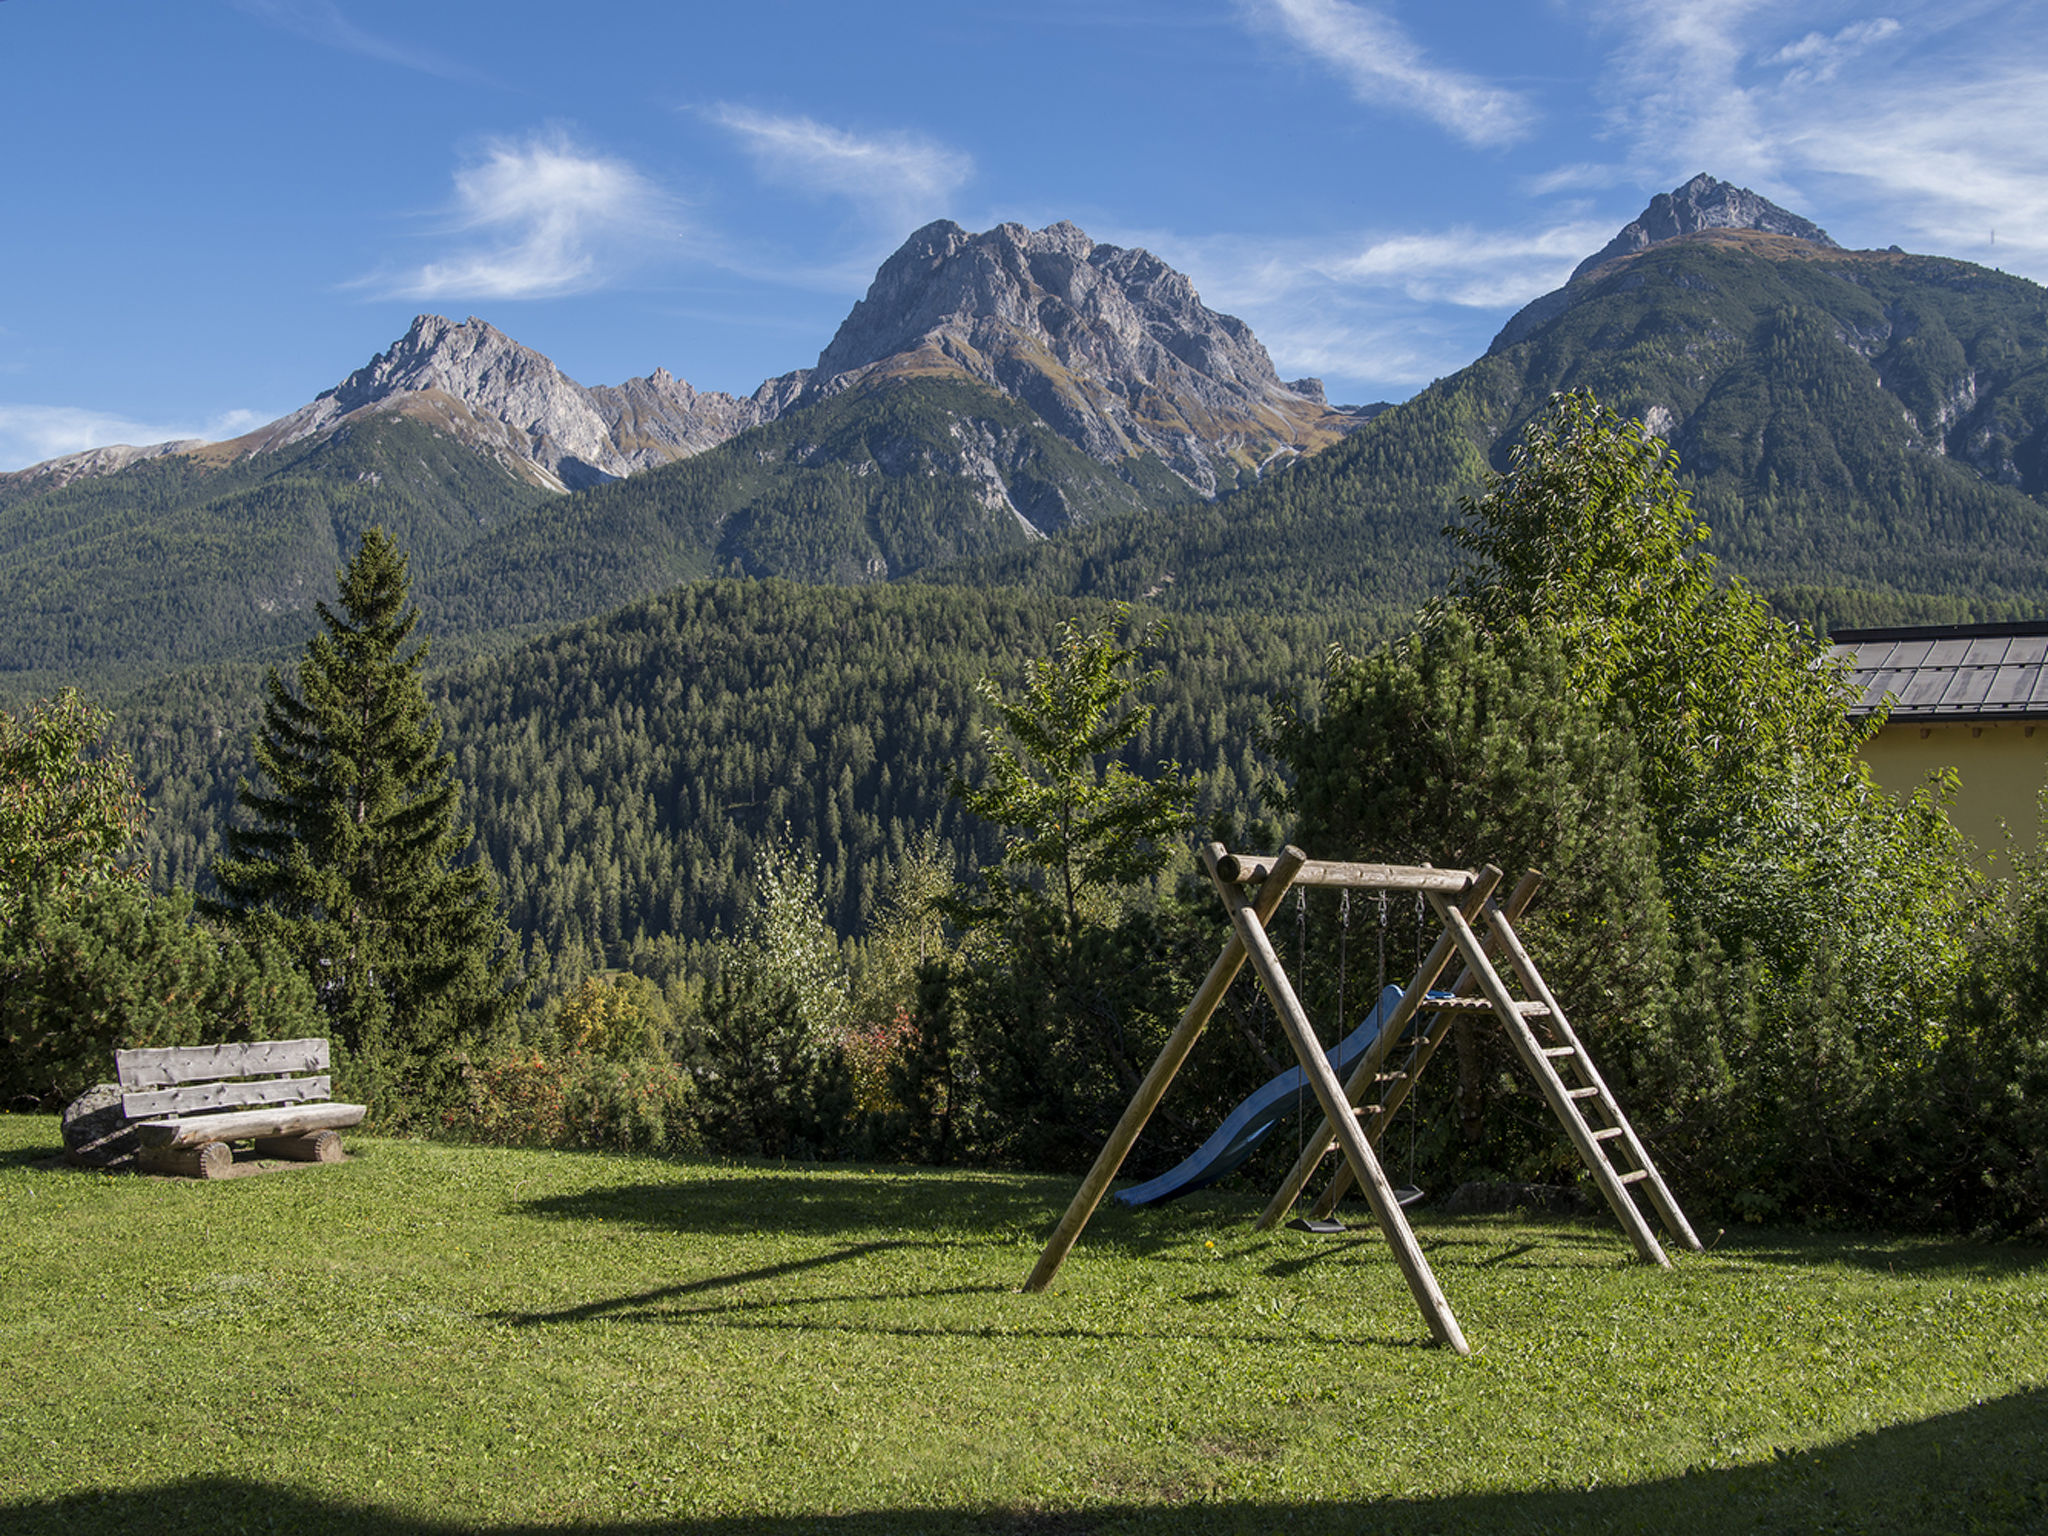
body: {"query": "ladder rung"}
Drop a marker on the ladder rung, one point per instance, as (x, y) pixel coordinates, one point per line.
(1365, 1109)
(1391, 1077)
(1527, 1010)
(1607, 1135)
(1555, 1051)
(1636, 1177)
(1580, 1093)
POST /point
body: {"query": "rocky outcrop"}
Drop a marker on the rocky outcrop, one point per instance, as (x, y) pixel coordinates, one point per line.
(53, 474)
(1111, 346)
(96, 1132)
(1702, 203)
(476, 381)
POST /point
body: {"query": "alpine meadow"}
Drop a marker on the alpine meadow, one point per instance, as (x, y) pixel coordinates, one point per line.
(999, 931)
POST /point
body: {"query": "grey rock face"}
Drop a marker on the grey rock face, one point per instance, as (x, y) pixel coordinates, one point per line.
(1112, 347)
(1702, 203)
(96, 1133)
(482, 384)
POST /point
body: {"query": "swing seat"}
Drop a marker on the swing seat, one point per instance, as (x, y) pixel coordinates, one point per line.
(1328, 1226)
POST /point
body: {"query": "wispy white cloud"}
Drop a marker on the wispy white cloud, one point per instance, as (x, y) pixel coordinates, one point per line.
(538, 218)
(322, 21)
(1900, 123)
(1395, 308)
(1579, 176)
(1818, 57)
(1385, 67)
(897, 179)
(1951, 186)
(31, 433)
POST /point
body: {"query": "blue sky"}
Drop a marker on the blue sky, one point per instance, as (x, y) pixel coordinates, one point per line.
(218, 208)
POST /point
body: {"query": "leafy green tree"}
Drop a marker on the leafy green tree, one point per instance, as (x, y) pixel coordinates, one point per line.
(1451, 751)
(1765, 939)
(1588, 536)
(353, 845)
(1033, 1034)
(67, 812)
(1077, 823)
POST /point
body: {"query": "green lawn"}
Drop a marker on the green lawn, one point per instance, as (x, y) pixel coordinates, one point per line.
(432, 1337)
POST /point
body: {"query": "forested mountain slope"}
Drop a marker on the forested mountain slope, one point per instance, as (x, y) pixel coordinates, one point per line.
(1862, 431)
(889, 479)
(625, 774)
(178, 560)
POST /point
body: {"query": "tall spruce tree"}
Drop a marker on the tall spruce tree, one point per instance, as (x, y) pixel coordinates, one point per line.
(353, 853)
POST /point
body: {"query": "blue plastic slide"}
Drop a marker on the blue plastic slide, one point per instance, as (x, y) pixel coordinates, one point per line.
(1251, 1122)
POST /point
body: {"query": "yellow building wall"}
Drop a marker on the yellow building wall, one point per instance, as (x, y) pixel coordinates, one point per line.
(2002, 765)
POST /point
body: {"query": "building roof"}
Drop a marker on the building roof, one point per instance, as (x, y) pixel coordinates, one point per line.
(1950, 672)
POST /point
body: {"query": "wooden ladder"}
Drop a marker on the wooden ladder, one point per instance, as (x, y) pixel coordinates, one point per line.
(1564, 1071)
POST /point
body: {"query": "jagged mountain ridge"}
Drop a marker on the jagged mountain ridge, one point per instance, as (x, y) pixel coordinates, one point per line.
(1864, 432)
(479, 384)
(1699, 206)
(1111, 346)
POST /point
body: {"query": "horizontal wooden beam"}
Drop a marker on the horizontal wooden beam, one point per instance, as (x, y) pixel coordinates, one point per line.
(292, 1120)
(199, 1098)
(1251, 868)
(166, 1066)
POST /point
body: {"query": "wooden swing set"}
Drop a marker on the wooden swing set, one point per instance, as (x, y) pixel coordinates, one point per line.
(1536, 1026)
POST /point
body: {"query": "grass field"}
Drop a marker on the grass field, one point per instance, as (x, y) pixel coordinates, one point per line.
(430, 1338)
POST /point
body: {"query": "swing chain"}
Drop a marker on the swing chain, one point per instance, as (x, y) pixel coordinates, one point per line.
(1343, 958)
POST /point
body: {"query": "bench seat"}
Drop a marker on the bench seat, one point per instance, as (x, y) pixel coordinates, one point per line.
(241, 1125)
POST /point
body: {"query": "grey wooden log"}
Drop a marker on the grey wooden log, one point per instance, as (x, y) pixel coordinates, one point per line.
(313, 1147)
(1340, 1183)
(1171, 1057)
(1554, 1091)
(1317, 1146)
(1660, 1193)
(165, 1066)
(198, 1098)
(210, 1160)
(1249, 868)
(289, 1120)
(1436, 1312)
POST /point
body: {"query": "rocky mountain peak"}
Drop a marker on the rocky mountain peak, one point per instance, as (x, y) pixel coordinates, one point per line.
(474, 381)
(1702, 203)
(1113, 347)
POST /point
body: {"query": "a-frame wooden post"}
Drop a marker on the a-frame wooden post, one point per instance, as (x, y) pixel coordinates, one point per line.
(1196, 1017)
(1443, 1326)
(1457, 896)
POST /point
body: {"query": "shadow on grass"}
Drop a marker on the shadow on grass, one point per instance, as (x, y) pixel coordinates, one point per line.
(29, 1157)
(837, 1201)
(1984, 1470)
(1933, 1255)
(808, 1202)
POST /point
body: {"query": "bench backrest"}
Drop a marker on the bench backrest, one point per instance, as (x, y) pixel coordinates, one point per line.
(189, 1079)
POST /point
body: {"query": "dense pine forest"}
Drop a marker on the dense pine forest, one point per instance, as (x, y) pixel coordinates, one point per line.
(625, 774)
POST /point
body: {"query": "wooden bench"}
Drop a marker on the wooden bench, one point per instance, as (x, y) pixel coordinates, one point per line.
(188, 1102)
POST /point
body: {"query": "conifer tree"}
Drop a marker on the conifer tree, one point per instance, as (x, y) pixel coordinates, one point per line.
(353, 850)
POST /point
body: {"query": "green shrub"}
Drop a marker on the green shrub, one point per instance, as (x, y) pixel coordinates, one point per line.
(85, 974)
(526, 1098)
